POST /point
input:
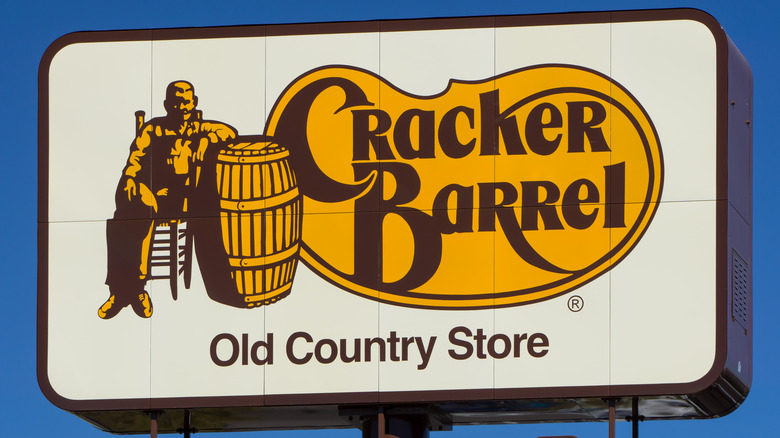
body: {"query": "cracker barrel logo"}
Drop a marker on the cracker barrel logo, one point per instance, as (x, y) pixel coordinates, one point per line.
(493, 193)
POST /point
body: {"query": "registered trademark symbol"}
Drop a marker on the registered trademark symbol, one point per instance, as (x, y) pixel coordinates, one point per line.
(576, 303)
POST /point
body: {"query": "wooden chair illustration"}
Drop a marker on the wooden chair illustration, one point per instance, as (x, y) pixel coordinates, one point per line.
(170, 253)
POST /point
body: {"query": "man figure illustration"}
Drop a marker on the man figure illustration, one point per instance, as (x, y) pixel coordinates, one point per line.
(161, 169)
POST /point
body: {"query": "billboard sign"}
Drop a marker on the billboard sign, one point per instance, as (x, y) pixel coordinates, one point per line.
(503, 218)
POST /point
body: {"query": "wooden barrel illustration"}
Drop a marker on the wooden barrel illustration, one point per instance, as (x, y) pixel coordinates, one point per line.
(260, 213)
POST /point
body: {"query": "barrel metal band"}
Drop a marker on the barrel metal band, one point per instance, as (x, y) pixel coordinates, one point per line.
(260, 204)
(253, 158)
(253, 262)
(265, 295)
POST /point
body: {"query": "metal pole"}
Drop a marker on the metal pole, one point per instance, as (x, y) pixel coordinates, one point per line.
(611, 418)
(635, 417)
(153, 426)
(394, 425)
(186, 430)
(380, 424)
(187, 419)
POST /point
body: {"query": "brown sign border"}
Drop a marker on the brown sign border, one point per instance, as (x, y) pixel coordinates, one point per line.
(494, 395)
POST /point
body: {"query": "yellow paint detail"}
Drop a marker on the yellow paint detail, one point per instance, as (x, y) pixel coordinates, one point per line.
(180, 156)
(397, 253)
(246, 234)
(144, 268)
(147, 197)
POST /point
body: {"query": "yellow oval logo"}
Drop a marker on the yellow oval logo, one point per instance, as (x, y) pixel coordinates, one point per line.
(493, 193)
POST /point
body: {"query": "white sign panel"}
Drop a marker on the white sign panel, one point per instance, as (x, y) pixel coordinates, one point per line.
(480, 209)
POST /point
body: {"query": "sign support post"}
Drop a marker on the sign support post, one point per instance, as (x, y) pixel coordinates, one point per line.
(635, 418)
(153, 424)
(397, 421)
(186, 430)
(612, 418)
(395, 426)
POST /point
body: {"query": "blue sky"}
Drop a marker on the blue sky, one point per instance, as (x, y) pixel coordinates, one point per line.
(28, 28)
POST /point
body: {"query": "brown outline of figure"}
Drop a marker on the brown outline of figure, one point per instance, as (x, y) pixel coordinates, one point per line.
(156, 184)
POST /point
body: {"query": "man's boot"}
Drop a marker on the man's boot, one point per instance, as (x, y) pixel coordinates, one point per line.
(142, 305)
(110, 308)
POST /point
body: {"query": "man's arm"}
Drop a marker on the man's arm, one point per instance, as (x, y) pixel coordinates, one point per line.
(137, 160)
(216, 132)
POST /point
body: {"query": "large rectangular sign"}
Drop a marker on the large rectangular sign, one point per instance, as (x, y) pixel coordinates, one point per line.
(472, 214)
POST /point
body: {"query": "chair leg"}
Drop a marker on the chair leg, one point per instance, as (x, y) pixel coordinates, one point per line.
(174, 259)
(186, 268)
